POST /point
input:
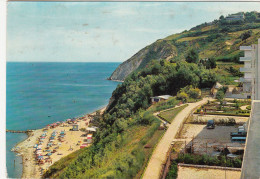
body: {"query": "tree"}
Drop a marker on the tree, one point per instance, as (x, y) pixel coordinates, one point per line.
(211, 63)
(182, 96)
(221, 17)
(250, 16)
(192, 56)
(246, 35)
(220, 95)
(195, 93)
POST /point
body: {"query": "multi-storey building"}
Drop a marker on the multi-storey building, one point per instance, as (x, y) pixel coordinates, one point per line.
(251, 70)
(251, 161)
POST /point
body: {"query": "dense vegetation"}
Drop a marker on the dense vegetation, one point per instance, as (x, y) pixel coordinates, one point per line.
(116, 152)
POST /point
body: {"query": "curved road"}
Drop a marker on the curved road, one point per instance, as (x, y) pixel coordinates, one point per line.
(158, 157)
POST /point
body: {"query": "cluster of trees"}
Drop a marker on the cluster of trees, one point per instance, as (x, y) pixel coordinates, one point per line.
(250, 16)
(192, 56)
(189, 92)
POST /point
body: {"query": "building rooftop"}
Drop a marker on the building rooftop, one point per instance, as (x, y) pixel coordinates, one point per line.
(163, 96)
(245, 48)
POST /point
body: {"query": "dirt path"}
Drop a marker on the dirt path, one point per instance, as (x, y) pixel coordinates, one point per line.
(159, 155)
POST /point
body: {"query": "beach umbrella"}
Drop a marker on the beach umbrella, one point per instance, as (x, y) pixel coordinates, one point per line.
(39, 157)
(49, 154)
(35, 146)
(38, 152)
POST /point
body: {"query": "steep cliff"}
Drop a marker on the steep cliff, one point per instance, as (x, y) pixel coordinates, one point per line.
(160, 49)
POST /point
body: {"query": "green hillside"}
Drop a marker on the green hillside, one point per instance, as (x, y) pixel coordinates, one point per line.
(219, 39)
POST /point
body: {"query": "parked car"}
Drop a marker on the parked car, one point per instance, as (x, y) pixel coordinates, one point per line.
(238, 139)
(210, 124)
(238, 134)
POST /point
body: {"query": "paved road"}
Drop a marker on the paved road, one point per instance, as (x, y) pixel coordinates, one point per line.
(158, 157)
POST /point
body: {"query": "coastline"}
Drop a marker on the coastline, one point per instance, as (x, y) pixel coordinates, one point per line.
(121, 81)
(26, 150)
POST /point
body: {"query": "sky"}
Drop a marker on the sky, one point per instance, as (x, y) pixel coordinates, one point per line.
(101, 31)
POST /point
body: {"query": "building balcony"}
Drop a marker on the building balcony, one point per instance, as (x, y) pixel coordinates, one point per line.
(245, 48)
(245, 59)
(245, 79)
(245, 69)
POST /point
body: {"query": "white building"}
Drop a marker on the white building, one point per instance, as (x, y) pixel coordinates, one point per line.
(251, 160)
(251, 70)
(235, 17)
(160, 98)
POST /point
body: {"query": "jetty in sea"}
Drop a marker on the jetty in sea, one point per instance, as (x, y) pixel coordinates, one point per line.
(18, 131)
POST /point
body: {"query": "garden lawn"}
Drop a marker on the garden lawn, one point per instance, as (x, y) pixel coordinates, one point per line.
(169, 115)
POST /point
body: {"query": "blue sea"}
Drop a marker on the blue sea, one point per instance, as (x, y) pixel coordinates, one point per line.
(38, 94)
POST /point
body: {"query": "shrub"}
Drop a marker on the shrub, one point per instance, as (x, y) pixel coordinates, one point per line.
(208, 160)
(192, 56)
(173, 172)
(182, 96)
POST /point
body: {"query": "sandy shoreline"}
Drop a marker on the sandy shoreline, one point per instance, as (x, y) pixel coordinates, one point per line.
(26, 148)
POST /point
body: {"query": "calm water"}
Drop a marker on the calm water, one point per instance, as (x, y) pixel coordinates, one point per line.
(41, 93)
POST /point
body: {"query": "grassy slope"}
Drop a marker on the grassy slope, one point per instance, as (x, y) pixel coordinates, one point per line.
(169, 115)
(134, 137)
(220, 46)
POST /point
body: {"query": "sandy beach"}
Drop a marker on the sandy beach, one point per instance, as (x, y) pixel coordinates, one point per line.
(71, 142)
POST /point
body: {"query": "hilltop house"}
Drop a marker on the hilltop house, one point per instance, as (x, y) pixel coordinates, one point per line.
(160, 98)
(235, 17)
